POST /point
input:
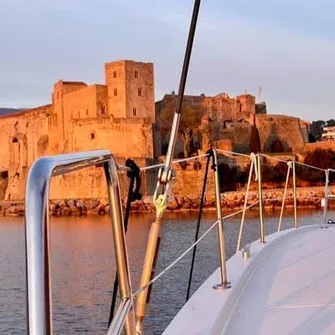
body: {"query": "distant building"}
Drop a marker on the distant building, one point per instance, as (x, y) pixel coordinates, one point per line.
(328, 134)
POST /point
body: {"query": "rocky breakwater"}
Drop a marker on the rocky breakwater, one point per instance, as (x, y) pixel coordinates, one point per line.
(78, 207)
(230, 201)
(234, 201)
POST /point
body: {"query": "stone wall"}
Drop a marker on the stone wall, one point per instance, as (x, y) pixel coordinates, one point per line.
(121, 136)
(239, 135)
(219, 107)
(189, 178)
(285, 128)
(24, 137)
(87, 102)
(90, 183)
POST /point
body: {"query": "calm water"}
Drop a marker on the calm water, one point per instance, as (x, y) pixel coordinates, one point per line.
(83, 267)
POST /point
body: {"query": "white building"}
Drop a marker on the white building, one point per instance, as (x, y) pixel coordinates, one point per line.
(328, 134)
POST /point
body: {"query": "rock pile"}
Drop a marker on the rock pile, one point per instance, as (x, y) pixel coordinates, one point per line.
(230, 201)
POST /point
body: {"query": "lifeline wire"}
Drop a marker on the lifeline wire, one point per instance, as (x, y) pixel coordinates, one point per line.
(141, 289)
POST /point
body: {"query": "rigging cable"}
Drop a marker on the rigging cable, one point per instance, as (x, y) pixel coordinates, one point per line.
(210, 155)
(133, 195)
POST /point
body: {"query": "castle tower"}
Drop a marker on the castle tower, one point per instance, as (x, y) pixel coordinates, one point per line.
(247, 102)
(61, 117)
(130, 87)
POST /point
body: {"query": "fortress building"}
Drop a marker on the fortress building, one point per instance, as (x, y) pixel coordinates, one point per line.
(122, 116)
(118, 116)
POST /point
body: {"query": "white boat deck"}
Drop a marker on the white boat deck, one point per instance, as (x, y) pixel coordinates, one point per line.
(293, 291)
(286, 287)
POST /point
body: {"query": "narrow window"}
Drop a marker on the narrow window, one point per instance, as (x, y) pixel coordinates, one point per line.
(86, 112)
(114, 74)
(134, 111)
(139, 91)
(115, 91)
(103, 110)
(136, 74)
(57, 95)
(92, 136)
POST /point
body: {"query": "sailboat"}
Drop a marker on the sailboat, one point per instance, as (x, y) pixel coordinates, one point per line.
(279, 284)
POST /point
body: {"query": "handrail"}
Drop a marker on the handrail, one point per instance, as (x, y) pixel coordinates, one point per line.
(39, 301)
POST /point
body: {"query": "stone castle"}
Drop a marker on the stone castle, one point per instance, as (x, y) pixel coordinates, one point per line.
(234, 119)
(118, 116)
(121, 116)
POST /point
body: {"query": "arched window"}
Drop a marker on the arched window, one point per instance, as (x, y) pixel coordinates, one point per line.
(15, 140)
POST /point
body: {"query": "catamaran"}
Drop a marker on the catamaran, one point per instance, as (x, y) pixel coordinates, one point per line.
(279, 284)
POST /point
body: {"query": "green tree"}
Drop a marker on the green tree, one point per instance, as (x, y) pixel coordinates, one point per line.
(189, 123)
(316, 130)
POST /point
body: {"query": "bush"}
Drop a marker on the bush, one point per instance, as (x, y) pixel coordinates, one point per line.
(228, 177)
(321, 158)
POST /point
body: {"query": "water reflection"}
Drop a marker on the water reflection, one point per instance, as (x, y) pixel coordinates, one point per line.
(83, 266)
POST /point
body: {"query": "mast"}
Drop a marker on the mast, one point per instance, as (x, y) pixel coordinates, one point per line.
(165, 179)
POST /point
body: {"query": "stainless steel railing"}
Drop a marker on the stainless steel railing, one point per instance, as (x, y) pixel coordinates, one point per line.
(39, 301)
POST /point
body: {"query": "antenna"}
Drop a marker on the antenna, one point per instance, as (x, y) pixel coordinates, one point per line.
(259, 93)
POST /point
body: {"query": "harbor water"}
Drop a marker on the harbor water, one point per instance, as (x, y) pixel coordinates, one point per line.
(83, 266)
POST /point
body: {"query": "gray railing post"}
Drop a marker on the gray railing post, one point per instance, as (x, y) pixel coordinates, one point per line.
(260, 199)
(325, 209)
(222, 248)
(294, 176)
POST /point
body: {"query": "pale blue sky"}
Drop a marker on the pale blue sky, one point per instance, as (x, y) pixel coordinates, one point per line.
(287, 47)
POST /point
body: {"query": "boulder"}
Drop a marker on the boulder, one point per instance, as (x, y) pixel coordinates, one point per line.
(180, 200)
(65, 211)
(62, 204)
(173, 204)
(70, 203)
(91, 204)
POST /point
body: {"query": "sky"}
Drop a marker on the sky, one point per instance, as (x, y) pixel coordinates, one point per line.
(286, 47)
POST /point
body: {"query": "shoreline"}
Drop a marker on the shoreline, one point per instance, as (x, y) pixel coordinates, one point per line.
(309, 197)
